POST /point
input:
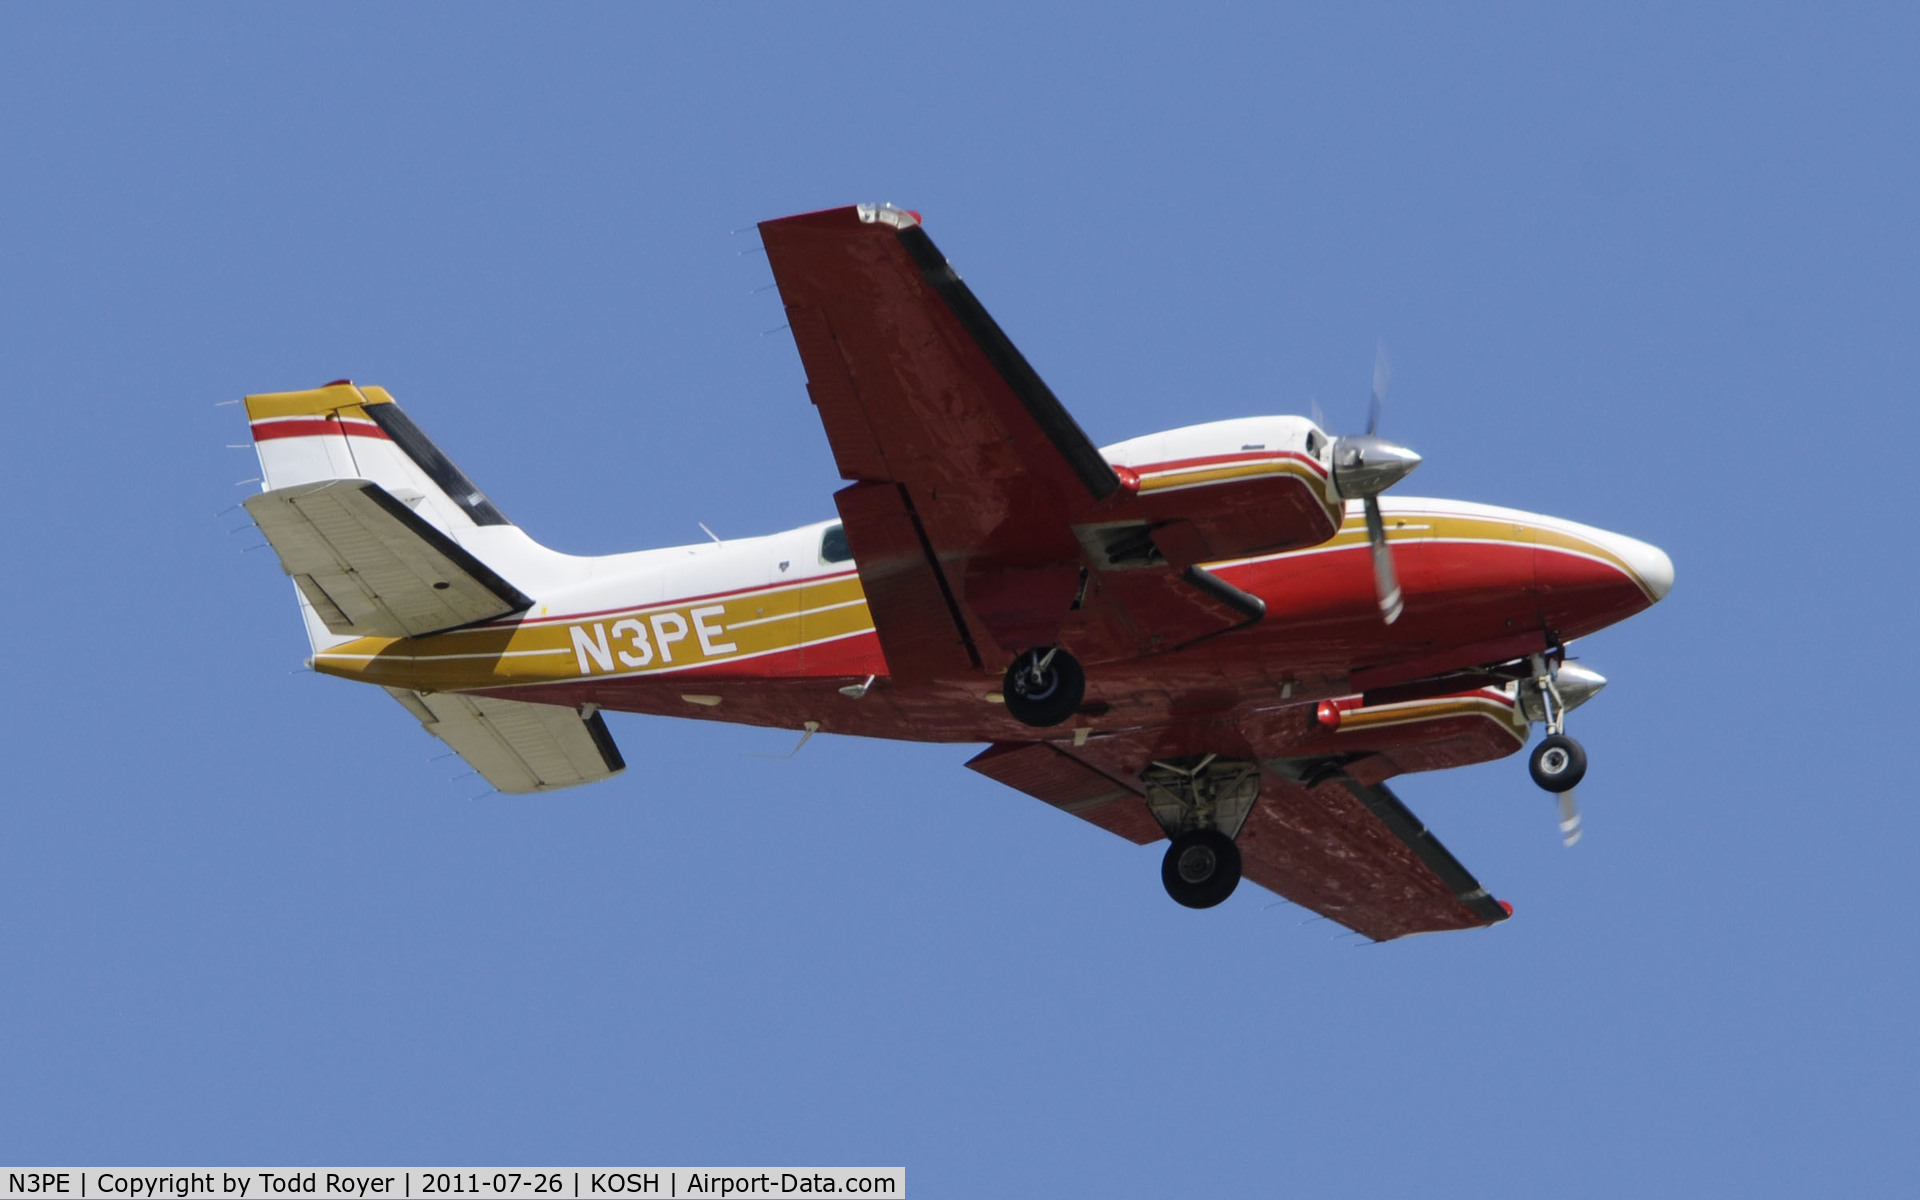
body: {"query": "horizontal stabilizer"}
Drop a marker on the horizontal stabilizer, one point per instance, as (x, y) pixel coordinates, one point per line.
(371, 567)
(516, 746)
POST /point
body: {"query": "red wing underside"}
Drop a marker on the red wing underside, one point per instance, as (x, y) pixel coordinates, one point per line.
(1355, 854)
(974, 492)
(966, 466)
(1348, 851)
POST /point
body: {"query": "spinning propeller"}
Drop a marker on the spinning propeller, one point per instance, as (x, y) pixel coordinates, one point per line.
(1569, 818)
(1365, 465)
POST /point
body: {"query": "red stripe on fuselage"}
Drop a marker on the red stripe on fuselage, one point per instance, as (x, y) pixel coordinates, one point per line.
(266, 431)
(1221, 460)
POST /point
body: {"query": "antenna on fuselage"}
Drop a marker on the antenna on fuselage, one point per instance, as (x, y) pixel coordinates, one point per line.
(809, 728)
(710, 533)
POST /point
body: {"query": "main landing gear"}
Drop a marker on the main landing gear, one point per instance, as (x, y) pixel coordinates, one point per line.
(1201, 868)
(1201, 803)
(1044, 687)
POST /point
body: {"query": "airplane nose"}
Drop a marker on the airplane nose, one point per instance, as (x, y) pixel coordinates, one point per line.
(1648, 562)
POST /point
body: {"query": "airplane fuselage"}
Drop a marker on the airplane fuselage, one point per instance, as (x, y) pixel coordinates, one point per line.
(769, 630)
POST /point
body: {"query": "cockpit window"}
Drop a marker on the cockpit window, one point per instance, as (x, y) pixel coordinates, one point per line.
(833, 545)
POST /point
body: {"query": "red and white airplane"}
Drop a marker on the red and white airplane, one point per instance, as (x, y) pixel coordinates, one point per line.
(1220, 634)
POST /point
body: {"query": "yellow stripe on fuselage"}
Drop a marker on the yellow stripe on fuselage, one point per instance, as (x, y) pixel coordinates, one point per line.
(1469, 528)
(651, 639)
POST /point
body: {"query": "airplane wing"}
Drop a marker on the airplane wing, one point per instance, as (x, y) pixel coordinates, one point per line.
(1355, 854)
(516, 746)
(980, 514)
(1347, 850)
(371, 567)
(917, 385)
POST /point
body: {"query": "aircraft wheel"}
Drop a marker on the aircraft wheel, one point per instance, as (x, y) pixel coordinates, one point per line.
(1201, 868)
(1558, 763)
(1052, 696)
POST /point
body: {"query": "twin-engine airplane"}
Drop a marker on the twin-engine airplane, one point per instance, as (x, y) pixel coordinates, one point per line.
(1220, 635)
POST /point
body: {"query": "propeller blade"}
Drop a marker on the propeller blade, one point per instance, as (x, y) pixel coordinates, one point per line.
(1386, 584)
(1382, 372)
(1569, 818)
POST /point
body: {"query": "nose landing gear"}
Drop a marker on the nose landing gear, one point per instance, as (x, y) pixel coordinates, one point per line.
(1559, 763)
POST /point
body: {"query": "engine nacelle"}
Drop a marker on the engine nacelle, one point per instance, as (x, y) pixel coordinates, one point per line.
(1224, 439)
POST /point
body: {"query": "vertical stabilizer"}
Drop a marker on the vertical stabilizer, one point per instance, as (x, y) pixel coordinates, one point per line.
(342, 431)
(358, 502)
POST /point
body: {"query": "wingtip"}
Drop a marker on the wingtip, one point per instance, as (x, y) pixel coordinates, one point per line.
(864, 214)
(887, 214)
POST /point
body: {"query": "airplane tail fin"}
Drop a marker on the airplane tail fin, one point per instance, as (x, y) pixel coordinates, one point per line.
(380, 531)
(342, 431)
(384, 537)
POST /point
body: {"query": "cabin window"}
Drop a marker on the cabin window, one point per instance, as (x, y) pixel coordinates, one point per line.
(833, 545)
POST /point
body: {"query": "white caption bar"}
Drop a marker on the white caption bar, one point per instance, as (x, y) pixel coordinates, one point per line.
(448, 1183)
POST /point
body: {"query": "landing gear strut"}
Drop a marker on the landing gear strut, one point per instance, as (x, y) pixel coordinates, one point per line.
(1558, 763)
(1201, 803)
(1044, 687)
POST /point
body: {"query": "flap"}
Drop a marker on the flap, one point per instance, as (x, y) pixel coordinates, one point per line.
(516, 746)
(1050, 773)
(371, 567)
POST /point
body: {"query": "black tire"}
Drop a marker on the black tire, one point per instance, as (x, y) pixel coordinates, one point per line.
(1558, 763)
(1201, 868)
(1051, 698)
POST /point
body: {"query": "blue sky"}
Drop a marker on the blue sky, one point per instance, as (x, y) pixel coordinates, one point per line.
(1647, 267)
